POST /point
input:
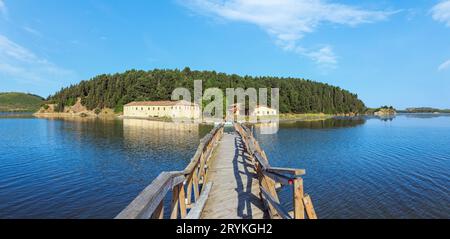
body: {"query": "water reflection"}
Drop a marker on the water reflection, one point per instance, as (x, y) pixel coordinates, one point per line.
(425, 115)
(86, 167)
(338, 122)
(267, 128)
(386, 118)
(156, 134)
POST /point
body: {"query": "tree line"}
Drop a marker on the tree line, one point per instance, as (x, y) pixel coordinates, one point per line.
(116, 90)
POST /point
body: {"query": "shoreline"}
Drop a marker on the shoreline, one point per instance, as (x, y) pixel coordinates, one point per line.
(282, 118)
(74, 115)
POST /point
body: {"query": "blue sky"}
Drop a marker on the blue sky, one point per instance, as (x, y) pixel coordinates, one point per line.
(388, 52)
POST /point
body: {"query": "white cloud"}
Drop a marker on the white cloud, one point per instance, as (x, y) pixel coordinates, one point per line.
(324, 56)
(289, 20)
(441, 12)
(20, 64)
(444, 66)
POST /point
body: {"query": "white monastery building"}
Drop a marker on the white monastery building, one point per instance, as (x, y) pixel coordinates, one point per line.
(160, 109)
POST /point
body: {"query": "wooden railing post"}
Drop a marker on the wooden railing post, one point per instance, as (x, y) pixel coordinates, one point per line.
(182, 201)
(159, 212)
(269, 185)
(195, 184)
(299, 209)
(175, 199)
(189, 189)
(309, 207)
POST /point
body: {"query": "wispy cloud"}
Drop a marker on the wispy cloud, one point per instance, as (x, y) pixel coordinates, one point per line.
(444, 66)
(288, 21)
(32, 31)
(20, 64)
(441, 12)
(3, 9)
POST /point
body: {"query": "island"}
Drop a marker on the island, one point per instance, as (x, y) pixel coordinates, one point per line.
(384, 111)
(107, 94)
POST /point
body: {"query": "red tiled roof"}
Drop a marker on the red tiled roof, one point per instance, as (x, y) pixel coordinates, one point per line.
(160, 103)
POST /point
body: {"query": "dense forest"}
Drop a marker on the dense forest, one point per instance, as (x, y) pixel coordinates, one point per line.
(114, 91)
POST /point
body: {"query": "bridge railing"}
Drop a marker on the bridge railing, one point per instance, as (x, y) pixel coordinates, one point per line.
(272, 178)
(187, 188)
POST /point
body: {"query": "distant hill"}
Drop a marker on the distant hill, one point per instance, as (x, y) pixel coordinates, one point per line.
(425, 110)
(113, 91)
(19, 102)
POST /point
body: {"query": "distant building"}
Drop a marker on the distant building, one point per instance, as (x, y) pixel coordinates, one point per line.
(169, 109)
(262, 110)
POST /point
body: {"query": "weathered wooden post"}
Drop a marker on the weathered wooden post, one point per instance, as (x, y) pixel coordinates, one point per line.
(182, 201)
(189, 189)
(299, 209)
(175, 199)
(159, 212)
(309, 207)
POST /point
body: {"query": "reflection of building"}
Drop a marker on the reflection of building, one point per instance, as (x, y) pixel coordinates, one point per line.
(169, 109)
(262, 110)
(267, 127)
(147, 135)
(159, 125)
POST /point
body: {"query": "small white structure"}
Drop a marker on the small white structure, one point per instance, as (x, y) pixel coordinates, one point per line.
(162, 109)
(262, 110)
(234, 110)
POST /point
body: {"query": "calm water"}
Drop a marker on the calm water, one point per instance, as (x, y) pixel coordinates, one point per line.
(85, 169)
(370, 168)
(355, 168)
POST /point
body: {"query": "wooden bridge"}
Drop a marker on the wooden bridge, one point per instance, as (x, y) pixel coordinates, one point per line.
(229, 177)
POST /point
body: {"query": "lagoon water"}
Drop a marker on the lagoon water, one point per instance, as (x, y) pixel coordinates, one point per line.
(359, 168)
(370, 168)
(85, 168)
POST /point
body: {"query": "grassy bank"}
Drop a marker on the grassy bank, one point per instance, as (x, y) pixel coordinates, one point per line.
(304, 117)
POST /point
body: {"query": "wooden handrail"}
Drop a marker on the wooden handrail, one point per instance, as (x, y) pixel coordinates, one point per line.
(148, 200)
(185, 186)
(273, 202)
(269, 177)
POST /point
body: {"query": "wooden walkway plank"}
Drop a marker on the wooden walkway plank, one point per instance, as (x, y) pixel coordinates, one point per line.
(235, 194)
